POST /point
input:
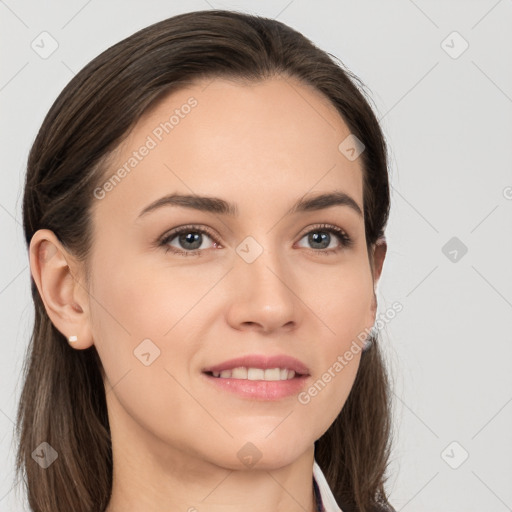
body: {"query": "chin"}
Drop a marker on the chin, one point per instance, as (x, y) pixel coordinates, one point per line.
(263, 453)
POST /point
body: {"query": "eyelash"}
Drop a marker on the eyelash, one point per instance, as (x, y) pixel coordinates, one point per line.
(345, 240)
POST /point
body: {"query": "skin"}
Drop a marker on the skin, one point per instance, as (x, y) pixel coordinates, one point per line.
(175, 436)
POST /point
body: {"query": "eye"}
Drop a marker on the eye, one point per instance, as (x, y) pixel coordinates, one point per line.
(189, 240)
(321, 239)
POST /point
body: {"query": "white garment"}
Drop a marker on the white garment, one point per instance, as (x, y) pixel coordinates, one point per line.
(326, 494)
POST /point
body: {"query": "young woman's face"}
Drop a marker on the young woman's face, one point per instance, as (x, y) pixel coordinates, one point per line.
(259, 279)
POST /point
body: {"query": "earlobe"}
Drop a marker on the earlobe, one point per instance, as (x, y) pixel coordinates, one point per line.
(56, 275)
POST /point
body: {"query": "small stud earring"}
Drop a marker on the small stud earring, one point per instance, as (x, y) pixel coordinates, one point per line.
(72, 339)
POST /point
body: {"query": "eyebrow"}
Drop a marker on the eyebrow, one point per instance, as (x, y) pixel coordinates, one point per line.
(223, 207)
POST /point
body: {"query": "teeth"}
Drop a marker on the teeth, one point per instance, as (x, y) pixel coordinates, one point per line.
(255, 374)
(270, 374)
(239, 373)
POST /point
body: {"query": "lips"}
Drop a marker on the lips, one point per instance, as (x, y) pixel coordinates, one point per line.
(263, 362)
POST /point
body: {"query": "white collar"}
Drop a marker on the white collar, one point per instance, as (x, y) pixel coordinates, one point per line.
(326, 494)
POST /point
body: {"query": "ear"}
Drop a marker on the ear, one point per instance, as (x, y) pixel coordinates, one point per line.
(378, 255)
(57, 276)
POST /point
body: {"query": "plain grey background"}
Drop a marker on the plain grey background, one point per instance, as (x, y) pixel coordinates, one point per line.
(440, 75)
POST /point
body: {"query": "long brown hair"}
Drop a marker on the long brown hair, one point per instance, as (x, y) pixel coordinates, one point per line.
(63, 397)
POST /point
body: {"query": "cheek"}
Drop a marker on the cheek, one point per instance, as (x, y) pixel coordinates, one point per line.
(140, 309)
(341, 301)
(145, 301)
(340, 297)
(142, 332)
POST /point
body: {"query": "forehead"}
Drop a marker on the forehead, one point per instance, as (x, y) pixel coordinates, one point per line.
(256, 142)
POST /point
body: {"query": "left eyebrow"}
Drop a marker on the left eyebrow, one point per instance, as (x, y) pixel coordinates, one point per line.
(223, 207)
(321, 201)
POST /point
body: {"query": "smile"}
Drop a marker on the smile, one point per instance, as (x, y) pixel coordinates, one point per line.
(243, 373)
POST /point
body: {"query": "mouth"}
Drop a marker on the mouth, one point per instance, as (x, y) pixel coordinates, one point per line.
(259, 367)
(259, 377)
(255, 374)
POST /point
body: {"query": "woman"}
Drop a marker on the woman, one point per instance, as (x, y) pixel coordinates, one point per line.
(204, 209)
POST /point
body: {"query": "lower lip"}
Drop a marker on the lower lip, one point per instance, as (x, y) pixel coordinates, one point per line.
(260, 389)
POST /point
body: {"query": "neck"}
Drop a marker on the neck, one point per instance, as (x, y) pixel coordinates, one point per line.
(287, 489)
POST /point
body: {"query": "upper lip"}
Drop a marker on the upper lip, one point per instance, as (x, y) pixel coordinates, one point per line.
(261, 361)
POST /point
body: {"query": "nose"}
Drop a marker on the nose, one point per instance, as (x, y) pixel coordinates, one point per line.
(262, 295)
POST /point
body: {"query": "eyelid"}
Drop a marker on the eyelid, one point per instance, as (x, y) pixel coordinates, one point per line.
(325, 226)
(191, 227)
